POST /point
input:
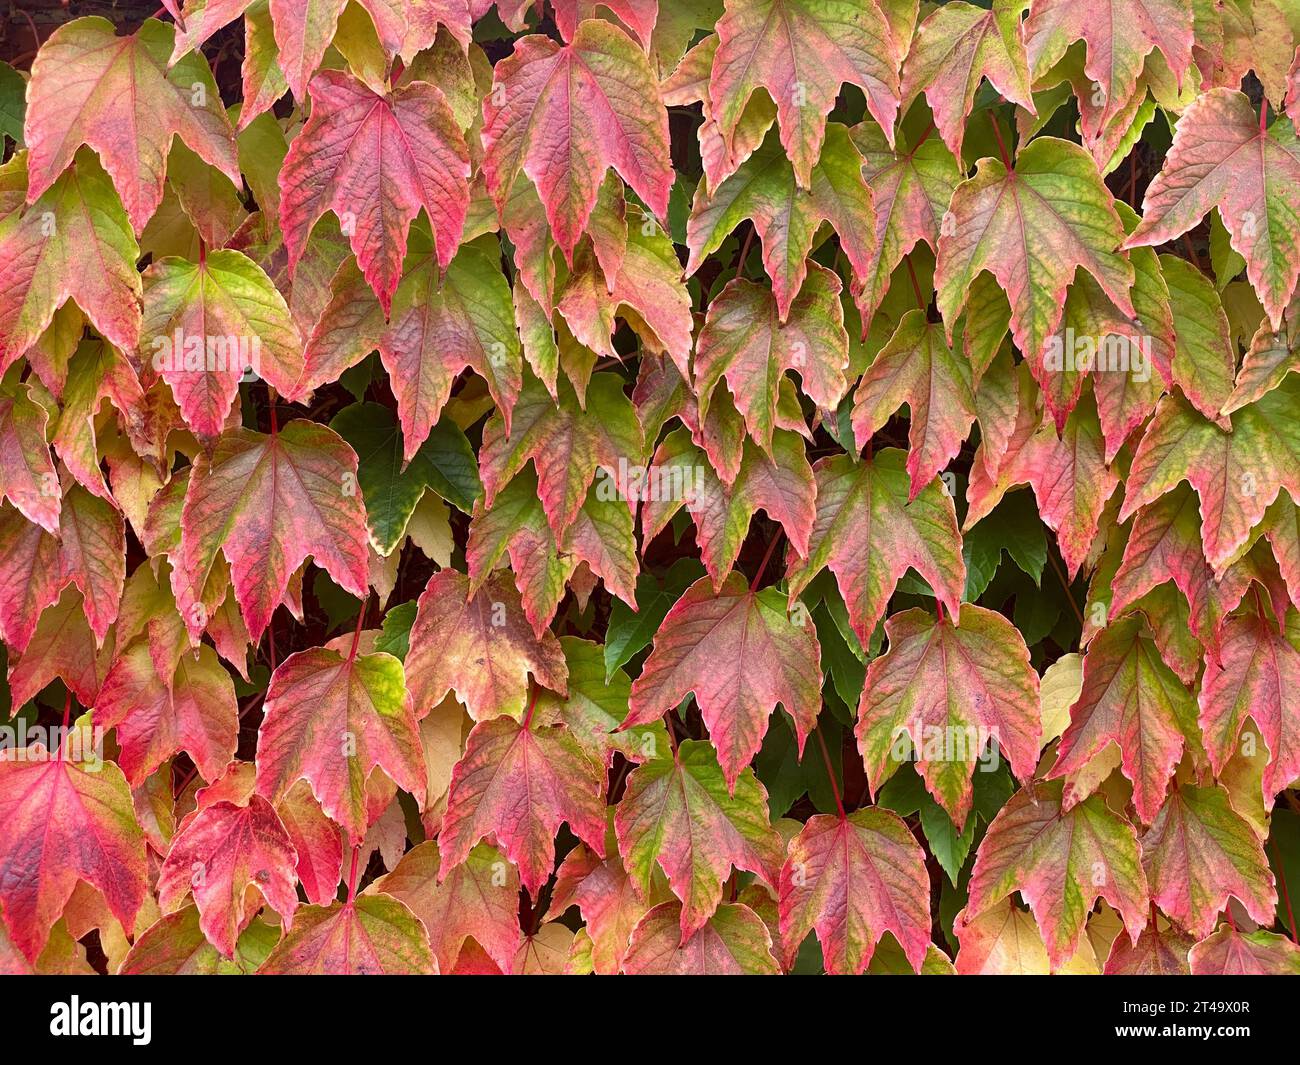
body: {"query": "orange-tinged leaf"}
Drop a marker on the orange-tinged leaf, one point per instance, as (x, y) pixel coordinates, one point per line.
(117, 95)
(205, 323)
(801, 52)
(734, 941)
(1221, 157)
(565, 115)
(333, 720)
(44, 257)
(27, 475)
(1061, 863)
(1119, 34)
(956, 47)
(1231, 953)
(785, 216)
(1132, 699)
(372, 935)
(777, 661)
(192, 710)
(1005, 220)
(1236, 473)
(519, 783)
(65, 820)
(744, 343)
(853, 878)
(949, 690)
(481, 647)
(1257, 676)
(912, 187)
(868, 533)
(678, 814)
(375, 161)
(218, 856)
(267, 503)
(478, 898)
(1198, 854)
(918, 367)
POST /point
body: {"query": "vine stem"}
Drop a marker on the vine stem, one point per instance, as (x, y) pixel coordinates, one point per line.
(356, 633)
(744, 251)
(1065, 585)
(1286, 898)
(532, 703)
(921, 301)
(1002, 145)
(270, 399)
(830, 774)
(67, 716)
(762, 566)
(352, 875)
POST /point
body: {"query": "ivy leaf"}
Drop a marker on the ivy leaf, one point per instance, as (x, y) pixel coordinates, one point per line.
(950, 689)
(1165, 544)
(608, 900)
(518, 783)
(1156, 953)
(732, 942)
(443, 322)
(566, 443)
(332, 720)
(43, 251)
(868, 533)
(1198, 853)
(801, 52)
(646, 290)
(27, 475)
(785, 215)
(744, 343)
(679, 814)
(478, 898)
(1132, 699)
(445, 462)
(227, 308)
(918, 367)
(1053, 198)
(595, 707)
(66, 820)
(1118, 36)
(117, 95)
(1061, 862)
(689, 84)
(778, 661)
(957, 46)
(266, 503)
(1236, 474)
(1231, 953)
(232, 848)
(565, 115)
(371, 935)
(1222, 157)
(1071, 480)
(482, 648)
(191, 710)
(853, 878)
(780, 484)
(375, 161)
(912, 187)
(1257, 677)
(176, 946)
